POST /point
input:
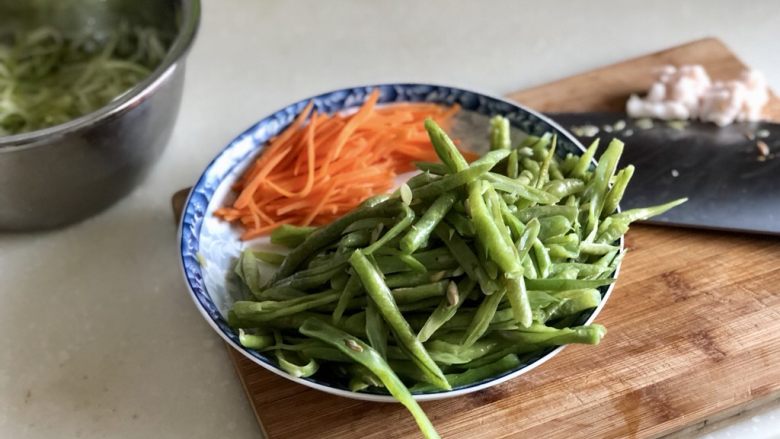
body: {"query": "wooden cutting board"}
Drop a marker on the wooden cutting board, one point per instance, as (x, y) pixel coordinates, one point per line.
(694, 326)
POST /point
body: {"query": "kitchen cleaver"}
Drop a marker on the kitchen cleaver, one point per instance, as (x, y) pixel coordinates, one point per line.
(731, 184)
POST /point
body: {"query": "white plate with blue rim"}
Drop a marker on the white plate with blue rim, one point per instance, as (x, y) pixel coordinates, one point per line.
(209, 246)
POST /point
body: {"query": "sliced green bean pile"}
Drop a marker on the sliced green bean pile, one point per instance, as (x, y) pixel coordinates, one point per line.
(454, 279)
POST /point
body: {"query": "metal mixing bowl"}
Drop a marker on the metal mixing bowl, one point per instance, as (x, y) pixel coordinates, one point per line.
(65, 173)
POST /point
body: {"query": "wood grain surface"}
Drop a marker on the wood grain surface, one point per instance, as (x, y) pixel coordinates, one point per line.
(694, 326)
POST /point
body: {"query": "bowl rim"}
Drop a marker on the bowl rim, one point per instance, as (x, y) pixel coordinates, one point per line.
(371, 396)
(185, 37)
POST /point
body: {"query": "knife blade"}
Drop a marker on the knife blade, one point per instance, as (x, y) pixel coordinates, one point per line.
(730, 184)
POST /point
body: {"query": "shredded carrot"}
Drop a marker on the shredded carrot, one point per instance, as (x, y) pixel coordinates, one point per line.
(323, 166)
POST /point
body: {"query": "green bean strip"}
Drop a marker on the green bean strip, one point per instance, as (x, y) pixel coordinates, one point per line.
(525, 177)
(324, 236)
(374, 201)
(491, 268)
(468, 175)
(368, 357)
(646, 212)
(421, 180)
(290, 236)
(490, 235)
(376, 331)
(355, 326)
(494, 203)
(596, 191)
(591, 334)
(420, 305)
(576, 302)
(412, 279)
(460, 321)
(436, 259)
(568, 212)
(339, 281)
(533, 167)
(460, 223)
(585, 161)
(419, 292)
(451, 182)
(544, 169)
(445, 148)
(502, 351)
(466, 258)
(368, 224)
(253, 341)
(499, 133)
(565, 284)
(524, 191)
(451, 353)
(582, 269)
(288, 366)
(378, 291)
(529, 269)
(552, 226)
(526, 143)
(405, 220)
(296, 370)
(513, 165)
(527, 239)
(446, 309)
(411, 262)
(479, 324)
(605, 169)
(312, 348)
(567, 273)
(616, 261)
(248, 270)
(265, 311)
(515, 226)
(563, 188)
(475, 374)
(605, 260)
(610, 230)
(563, 247)
(408, 370)
(350, 290)
(591, 248)
(325, 265)
(418, 235)
(518, 299)
(568, 163)
(358, 238)
(362, 378)
(539, 147)
(543, 262)
(304, 280)
(618, 189)
(555, 171)
(269, 257)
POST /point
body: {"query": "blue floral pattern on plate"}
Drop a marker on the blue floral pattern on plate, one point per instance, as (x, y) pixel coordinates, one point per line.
(208, 246)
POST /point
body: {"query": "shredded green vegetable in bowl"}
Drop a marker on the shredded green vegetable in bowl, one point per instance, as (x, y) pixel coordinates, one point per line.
(47, 79)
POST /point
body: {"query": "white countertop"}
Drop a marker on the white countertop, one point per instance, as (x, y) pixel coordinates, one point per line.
(99, 337)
